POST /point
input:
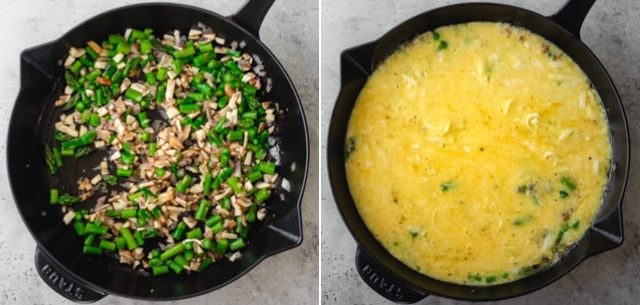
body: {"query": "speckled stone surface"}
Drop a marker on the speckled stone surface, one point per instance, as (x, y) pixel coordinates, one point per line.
(290, 30)
(610, 30)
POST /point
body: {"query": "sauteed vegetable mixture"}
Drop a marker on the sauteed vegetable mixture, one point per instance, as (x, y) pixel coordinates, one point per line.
(189, 159)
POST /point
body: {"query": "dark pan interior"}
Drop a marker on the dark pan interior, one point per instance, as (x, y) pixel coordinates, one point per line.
(357, 65)
(32, 125)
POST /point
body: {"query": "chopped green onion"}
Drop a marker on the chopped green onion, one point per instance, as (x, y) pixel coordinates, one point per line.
(129, 213)
(203, 208)
(206, 184)
(179, 231)
(175, 267)
(67, 199)
(94, 120)
(568, 182)
(53, 196)
(96, 228)
(121, 243)
(234, 184)
(146, 47)
(159, 172)
(133, 95)
(161, 74)
(222, 245)
(124, 172)
(267, 167)
(207, 244)
(153, 147)
(217, 228)
(145, 137)
(194, 234)
(237, 244)
(189, 108)
(206, 47)
(442, 45)
(110, 179)
(254, 176)
(184, 184)
(79, 227)
(143, 119)
(262, 195)
(137, 235)
(171, 252)
(186, 52)
(107, 245)
(235, 135)
(213, 220)
(123, 48)
(128, 237)
(159, 270)
(91, 250)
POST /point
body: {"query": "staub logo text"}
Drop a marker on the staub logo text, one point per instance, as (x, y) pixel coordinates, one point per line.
(383, 284)
(63, 284)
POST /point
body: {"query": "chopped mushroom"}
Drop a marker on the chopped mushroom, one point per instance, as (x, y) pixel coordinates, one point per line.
(194, 34)
(63, 99)
(69, 61)
(261, 214)
(235, 256)
(76, 52)
(68, 217)
(95, 180)
(93, 45)
(227, 235)
(190, 221)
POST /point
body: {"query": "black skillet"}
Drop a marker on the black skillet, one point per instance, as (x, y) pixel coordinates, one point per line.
(391, 278)
(59, 259)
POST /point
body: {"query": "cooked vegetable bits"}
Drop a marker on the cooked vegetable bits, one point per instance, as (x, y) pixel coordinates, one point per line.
(187, 137)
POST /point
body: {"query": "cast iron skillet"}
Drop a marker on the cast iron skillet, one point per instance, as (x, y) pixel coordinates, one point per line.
(391, 278)
(59, 258)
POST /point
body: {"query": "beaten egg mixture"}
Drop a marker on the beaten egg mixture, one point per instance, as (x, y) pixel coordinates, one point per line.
(478, 153)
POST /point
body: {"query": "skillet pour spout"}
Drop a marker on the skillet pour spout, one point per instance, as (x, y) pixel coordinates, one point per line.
(378, 268)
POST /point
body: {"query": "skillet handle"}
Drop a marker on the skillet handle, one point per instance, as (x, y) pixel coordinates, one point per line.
(250, 16)
(37, 65)
(572, 15)
(62, 282)
(284, 233)
(383, 282)
(606, 234)
(356, 63)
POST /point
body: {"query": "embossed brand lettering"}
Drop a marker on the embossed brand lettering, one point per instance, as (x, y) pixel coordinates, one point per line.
(46, 269)
(54, 277)
(65, 285)
(79, 293)
(382, 283)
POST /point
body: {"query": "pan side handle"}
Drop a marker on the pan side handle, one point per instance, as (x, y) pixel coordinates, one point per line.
(37, 65)
(356, 63)
(251, 15)
(62, 282)
(606, 234)
(572, 15)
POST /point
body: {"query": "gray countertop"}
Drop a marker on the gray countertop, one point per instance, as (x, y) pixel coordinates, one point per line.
(610, 30)
(291, 32)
